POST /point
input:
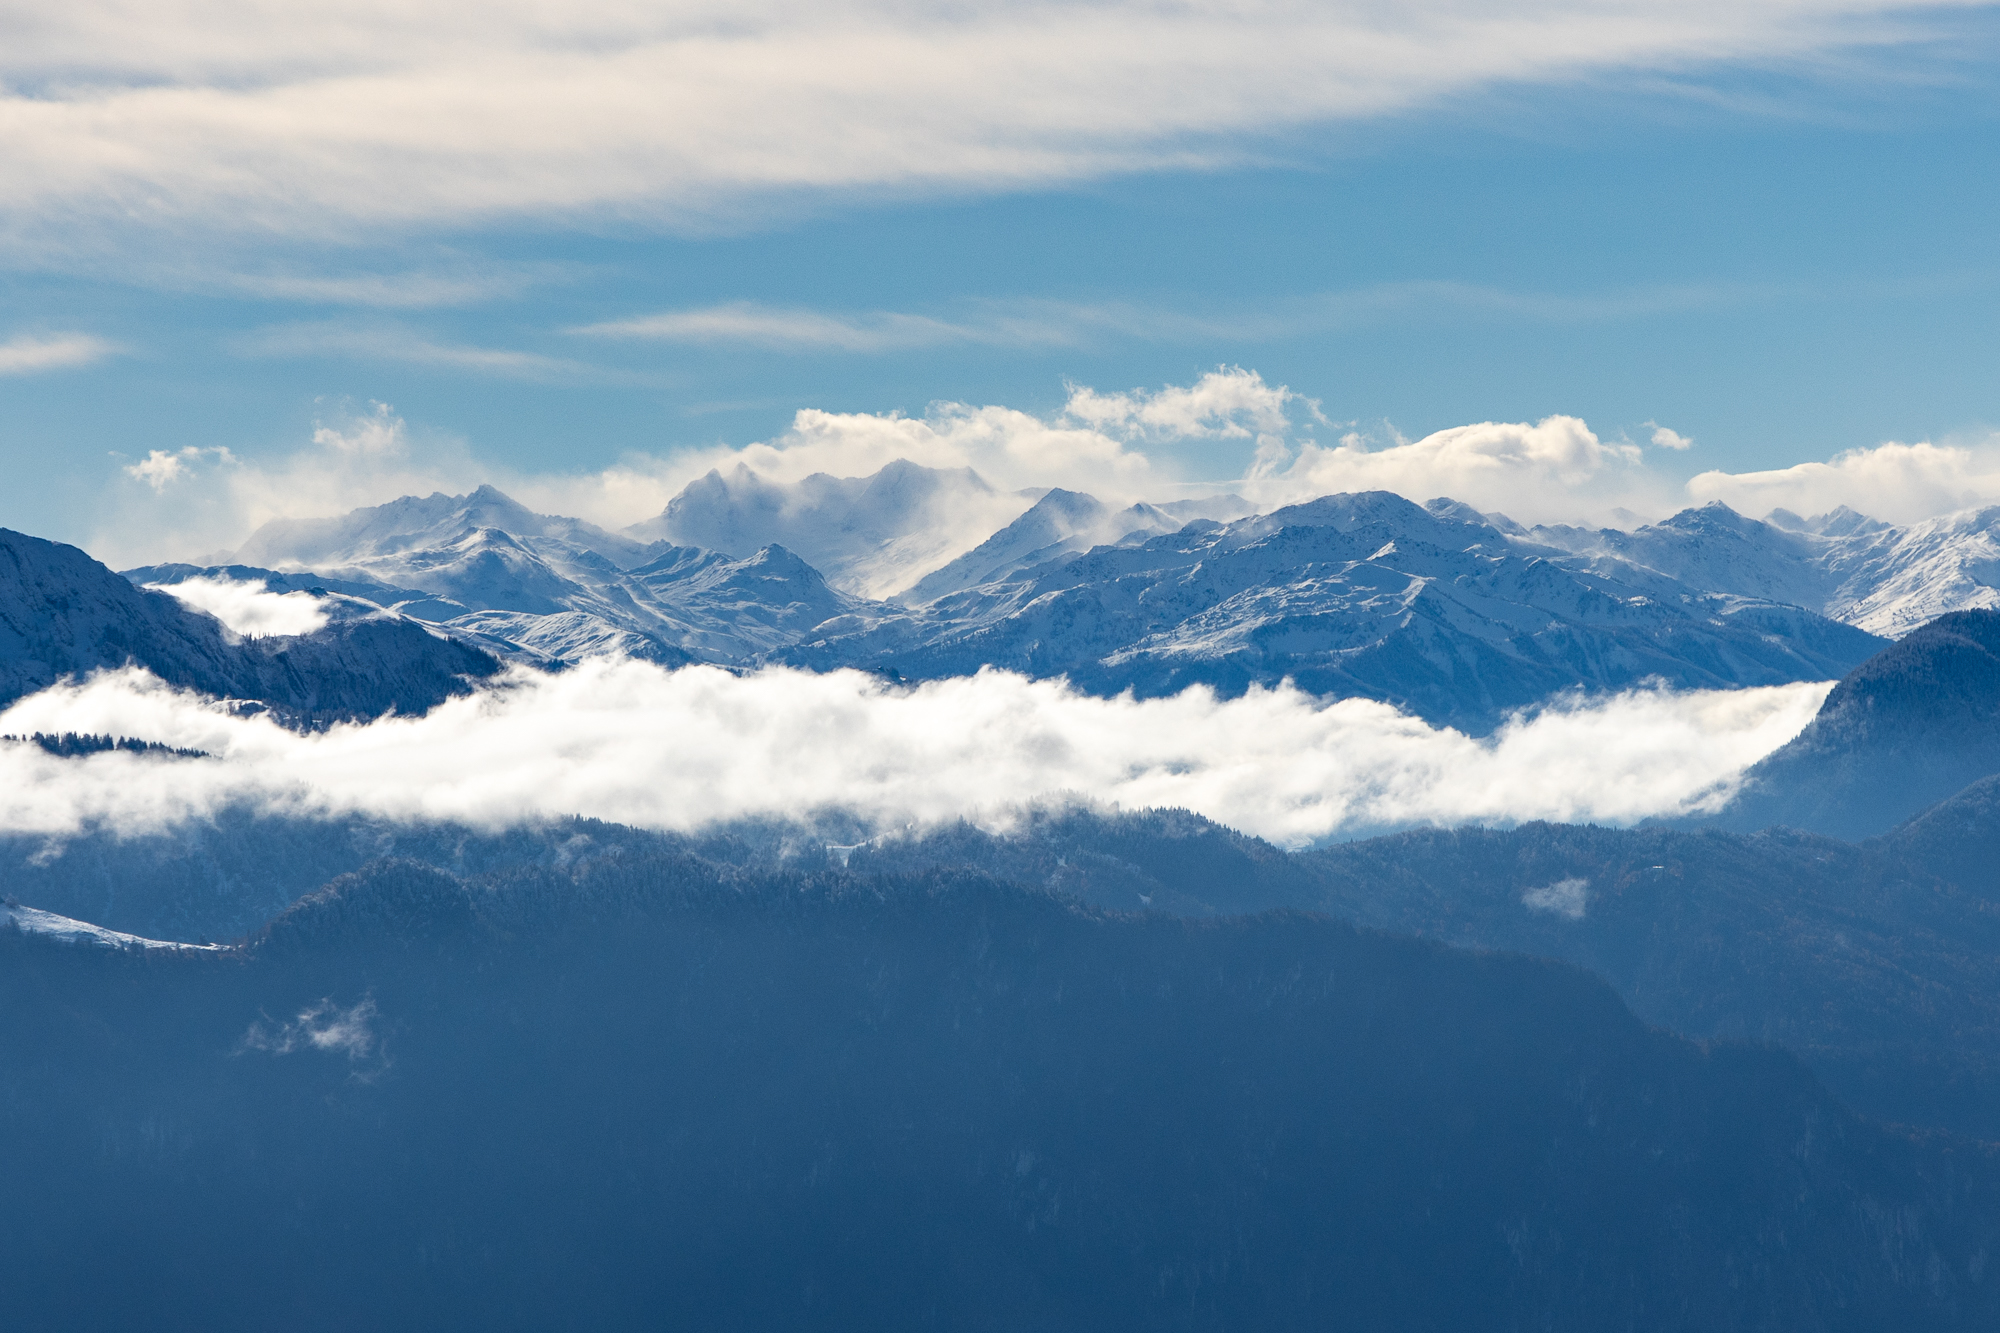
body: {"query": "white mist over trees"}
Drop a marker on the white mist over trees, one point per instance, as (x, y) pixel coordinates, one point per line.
(633, 742)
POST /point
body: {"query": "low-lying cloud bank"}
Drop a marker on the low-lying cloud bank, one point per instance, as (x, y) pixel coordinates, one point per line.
(1230, 430)
(249, 608)
(630, 742)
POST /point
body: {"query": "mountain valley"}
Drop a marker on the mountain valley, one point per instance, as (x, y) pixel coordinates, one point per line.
(1072, 1066)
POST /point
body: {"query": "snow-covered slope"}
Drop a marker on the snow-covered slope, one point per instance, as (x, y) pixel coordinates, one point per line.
(1894, 579)
(1713, 548)
(416, 523)
(1349, 595)
(871, 536)
(34, 921)
(1457, 615)
(484, 566)
(64, 614)
(1884, 579)
(1063, 523)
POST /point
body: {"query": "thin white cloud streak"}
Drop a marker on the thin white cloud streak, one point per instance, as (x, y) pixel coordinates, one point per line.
(1045, 323)
(395, 344)
(412, 290)
(249, 609)
(28, 354)
(630, 742)
(749, 324)
(324, 119)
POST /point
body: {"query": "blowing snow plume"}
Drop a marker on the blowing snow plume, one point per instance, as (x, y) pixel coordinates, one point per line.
(677, 750)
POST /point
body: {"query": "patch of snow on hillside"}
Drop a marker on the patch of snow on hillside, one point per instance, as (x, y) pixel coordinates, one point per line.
(37, 922)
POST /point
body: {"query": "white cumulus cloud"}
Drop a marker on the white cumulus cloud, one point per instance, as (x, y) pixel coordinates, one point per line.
(1895, 482)
(250, 609)
(1229, 430)
(1553, 470)
(161, 468)
(630, 742)
(197, 502)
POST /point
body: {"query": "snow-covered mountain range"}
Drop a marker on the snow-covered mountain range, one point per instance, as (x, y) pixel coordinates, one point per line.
(918, 572)
(1367, 595)
(1884, 579)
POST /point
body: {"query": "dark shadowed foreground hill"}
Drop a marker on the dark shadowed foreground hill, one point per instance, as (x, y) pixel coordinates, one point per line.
(64, 614)
(1904, 730)
(662, 1093)
(1878, 964)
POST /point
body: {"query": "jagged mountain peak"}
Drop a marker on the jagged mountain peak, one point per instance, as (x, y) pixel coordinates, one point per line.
(1063, 523)
(1713, 515)
(1837, 522)
(414, 522)
(871, 536)
(1447, 524)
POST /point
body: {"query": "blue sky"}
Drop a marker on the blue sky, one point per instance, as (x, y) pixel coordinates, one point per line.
(1770, 229)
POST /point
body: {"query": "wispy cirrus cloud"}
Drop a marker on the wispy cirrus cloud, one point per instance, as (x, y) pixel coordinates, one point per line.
(29, 354)
(790, 329)
(416, 289)
(389, 342)
(1049, 323)
(328, 119)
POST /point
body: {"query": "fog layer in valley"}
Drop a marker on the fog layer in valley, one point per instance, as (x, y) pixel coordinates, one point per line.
(632, 742)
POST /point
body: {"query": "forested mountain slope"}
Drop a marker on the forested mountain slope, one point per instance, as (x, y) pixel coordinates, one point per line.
(1901, 732)
(660, 1091)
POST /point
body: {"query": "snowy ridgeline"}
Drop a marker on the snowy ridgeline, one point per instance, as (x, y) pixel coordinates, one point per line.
(916, 573)
(34, 921)
(920, 573)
